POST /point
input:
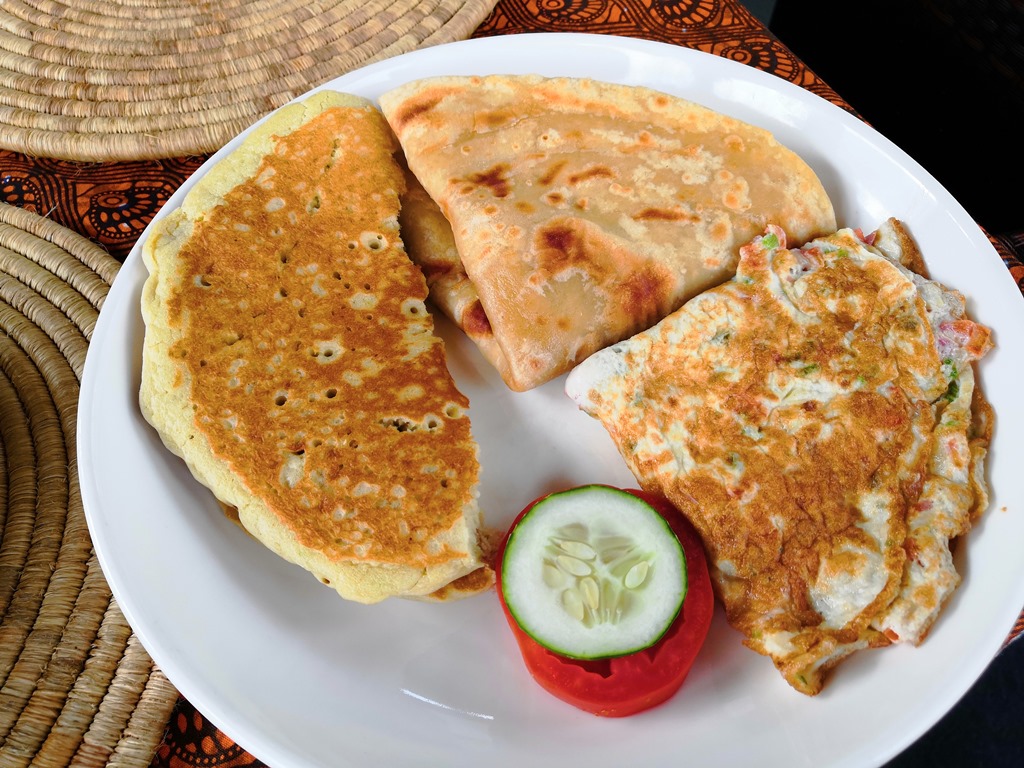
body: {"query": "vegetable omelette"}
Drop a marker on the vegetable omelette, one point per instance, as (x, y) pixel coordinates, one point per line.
(289, 358)
(816, 418)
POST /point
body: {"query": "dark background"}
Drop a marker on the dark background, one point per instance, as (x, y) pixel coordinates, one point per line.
(944, 80)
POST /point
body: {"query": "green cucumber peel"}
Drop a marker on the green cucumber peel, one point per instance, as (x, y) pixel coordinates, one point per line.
(593, 572)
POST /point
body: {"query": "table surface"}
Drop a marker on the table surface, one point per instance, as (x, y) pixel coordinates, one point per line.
(111, 203)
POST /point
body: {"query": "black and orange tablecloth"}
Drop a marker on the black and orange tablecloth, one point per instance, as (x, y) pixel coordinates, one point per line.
(110, 203)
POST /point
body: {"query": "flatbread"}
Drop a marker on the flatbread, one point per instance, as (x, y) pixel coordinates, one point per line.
(290, 360)
(431, 245)
(582, 212)
(817, 419)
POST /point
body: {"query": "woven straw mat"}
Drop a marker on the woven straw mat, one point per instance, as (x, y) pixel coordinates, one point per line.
(76, 687)
(98, 80)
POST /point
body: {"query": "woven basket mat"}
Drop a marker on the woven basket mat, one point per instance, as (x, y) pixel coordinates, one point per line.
(76, 686)
(98, 80)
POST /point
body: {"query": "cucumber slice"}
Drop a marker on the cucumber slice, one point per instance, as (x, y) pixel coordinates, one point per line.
(593, 572)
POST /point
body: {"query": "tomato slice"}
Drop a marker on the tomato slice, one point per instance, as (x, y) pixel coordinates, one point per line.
(626, 685)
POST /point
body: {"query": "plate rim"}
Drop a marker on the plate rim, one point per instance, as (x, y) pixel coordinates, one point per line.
(535, 41)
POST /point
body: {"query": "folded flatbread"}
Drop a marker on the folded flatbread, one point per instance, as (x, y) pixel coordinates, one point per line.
(816, 418)
(572, 213)
(290, 360)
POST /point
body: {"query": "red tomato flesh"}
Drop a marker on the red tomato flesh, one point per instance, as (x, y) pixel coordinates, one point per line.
(626, 685)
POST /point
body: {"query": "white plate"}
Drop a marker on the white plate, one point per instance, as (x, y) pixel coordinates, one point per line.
(301, 678)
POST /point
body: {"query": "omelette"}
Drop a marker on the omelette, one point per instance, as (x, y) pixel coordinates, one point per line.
(290, 360)
(561, 215)
(816, 418)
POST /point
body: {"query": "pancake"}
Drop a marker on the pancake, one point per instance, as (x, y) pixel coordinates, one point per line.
(817, 419)
(290, 360)
(581, 212)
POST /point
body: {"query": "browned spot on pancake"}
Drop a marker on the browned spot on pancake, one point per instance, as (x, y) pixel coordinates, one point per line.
(559, 240)
(413, 110)
(549, 176)
(474, 320)
(475, 581)
(496, 118)
(472, 583)
(524, 207)
(662, 214)
(735, 143)
(720, 231)
(644, 292)
(563, 245)
(494, 179)
(594, 172)
(735, 198)
(554, 198)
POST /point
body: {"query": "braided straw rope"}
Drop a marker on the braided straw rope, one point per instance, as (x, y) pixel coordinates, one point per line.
(76, 687)
(97, 80)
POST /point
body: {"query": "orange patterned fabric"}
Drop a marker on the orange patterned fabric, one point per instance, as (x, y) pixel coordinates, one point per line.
(192, 741)
(111, 203)
(1011, 248)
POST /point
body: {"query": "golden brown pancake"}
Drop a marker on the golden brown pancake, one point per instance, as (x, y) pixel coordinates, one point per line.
(575, 213)
(816, 419)
(290, 360)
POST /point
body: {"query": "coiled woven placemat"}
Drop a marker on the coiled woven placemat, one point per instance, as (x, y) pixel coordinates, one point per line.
(96, 80)
(76, 687)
